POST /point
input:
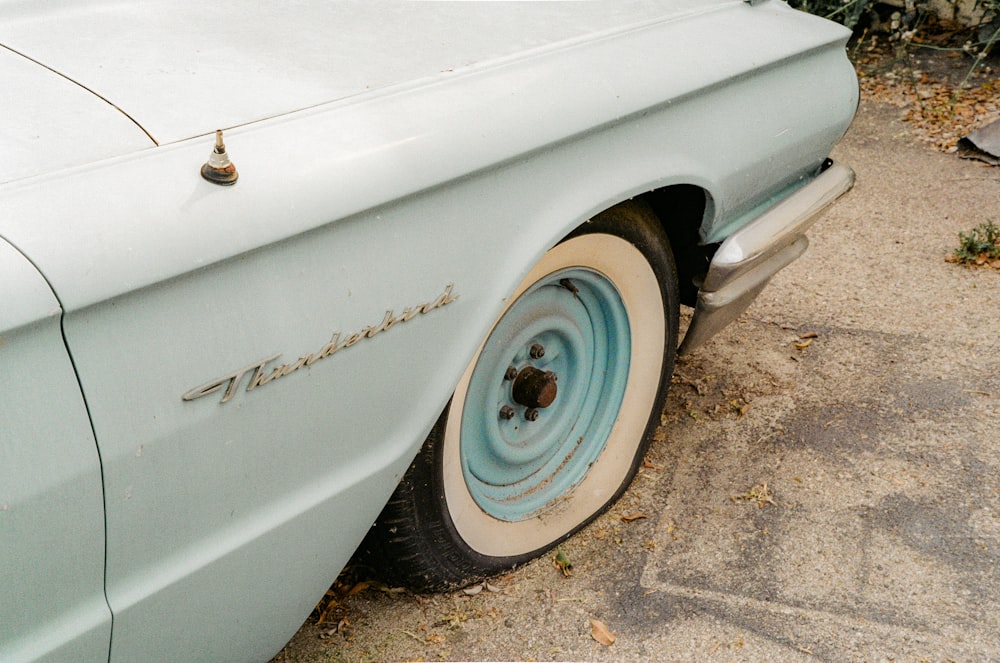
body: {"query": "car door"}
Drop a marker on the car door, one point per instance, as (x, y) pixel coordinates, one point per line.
(52, 604)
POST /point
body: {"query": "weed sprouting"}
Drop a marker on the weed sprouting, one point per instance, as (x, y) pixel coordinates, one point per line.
(979, 246)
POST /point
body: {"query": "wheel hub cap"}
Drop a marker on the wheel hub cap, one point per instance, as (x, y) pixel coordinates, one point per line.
(534, 388)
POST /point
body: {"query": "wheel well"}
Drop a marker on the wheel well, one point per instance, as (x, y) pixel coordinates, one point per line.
(680, 209)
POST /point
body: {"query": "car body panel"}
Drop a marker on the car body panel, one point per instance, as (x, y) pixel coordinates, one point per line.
(238, 62)
(51, 509)
(38, 136)
(424, 202)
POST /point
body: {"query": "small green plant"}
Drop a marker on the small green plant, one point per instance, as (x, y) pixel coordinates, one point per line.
(978, 246)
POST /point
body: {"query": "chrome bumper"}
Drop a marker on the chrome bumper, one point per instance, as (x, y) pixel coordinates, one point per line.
(749, 257)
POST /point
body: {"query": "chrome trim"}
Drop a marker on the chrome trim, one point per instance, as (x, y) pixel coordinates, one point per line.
(263, 375)
(749, 257)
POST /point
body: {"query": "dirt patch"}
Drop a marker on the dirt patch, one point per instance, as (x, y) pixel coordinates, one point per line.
(946, 86)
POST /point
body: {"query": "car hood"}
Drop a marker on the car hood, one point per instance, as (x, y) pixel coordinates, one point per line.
(175, 69)
(48, 123)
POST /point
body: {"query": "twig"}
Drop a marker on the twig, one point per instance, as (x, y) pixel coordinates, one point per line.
(979, 60)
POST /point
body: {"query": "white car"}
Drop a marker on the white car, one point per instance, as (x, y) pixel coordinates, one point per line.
(264, 264)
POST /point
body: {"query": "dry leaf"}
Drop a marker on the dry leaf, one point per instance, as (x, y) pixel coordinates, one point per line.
(804, 344)
(650, 466)
(358, 588)
(809, 334)
(739, 408)
(435, 638)
(760, 494)
(600, 632)
(472, 591)
(633, 516)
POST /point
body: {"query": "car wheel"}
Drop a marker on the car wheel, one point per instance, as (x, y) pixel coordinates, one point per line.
(553, 416)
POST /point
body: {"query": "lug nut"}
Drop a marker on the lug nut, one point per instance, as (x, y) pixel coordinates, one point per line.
(507, 413)
(510, 374)
(536, 351)
(531, 414)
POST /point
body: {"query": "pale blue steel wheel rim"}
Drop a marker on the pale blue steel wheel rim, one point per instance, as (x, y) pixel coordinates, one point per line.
(516, 469)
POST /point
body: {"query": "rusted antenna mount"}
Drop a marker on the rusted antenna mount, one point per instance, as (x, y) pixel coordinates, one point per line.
(219, 169)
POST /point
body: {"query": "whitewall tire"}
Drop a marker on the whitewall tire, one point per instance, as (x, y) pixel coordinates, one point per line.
(550, 421)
